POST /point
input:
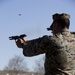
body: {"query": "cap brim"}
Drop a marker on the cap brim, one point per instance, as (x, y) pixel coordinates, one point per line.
(48, 29)
(51, 27)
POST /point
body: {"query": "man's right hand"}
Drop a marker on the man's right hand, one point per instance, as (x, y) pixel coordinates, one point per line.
(20, 43)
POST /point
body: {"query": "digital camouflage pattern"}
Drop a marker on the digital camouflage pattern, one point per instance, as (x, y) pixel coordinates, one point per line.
(59, 51)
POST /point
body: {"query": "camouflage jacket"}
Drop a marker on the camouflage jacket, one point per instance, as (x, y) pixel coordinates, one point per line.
(59, 51)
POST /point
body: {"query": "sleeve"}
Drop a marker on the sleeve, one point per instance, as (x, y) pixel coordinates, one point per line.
(37, 46)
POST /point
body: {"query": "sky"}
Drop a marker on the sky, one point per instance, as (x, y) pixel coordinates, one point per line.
(36, 16)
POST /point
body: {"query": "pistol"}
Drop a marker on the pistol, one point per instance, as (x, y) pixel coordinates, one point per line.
(16, 37)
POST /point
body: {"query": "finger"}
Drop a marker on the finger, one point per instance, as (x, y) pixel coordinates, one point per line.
(19, 44)
(23, 40)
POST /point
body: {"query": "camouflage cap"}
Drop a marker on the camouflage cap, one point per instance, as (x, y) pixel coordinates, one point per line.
(60, 16)
(57, 17)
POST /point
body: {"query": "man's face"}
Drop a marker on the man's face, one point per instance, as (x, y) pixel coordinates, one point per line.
(56, 28)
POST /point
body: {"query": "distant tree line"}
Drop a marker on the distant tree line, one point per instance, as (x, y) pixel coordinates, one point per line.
(39, 65)
(18, 64)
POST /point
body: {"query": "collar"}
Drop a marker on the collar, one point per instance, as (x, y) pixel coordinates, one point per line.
(65, 32)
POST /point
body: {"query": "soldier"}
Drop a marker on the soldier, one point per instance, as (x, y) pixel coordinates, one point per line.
(59, 48)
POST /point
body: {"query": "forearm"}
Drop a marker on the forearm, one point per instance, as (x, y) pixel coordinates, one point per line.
(32, 50)
(34, 47)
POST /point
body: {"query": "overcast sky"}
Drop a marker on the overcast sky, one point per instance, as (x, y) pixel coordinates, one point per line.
(36, 16)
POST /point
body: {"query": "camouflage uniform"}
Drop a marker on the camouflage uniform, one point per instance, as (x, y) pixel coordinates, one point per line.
(59, 51)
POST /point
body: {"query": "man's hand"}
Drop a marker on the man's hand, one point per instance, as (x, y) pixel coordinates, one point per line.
(20, 43)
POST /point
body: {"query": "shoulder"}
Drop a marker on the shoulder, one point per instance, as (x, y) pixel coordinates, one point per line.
(46, 36)
(41, 39)
(73, 34)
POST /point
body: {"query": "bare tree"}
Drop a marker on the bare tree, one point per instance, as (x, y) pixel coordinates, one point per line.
(16, 64)
(39, 65)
